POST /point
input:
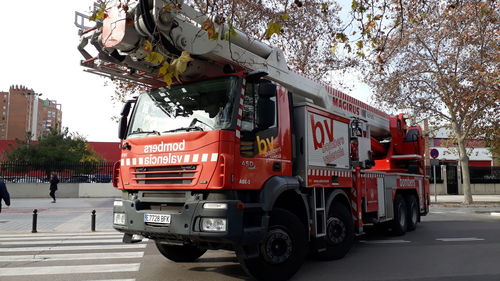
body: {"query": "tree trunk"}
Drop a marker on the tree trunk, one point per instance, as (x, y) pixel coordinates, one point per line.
(464, 164)
(463, 160)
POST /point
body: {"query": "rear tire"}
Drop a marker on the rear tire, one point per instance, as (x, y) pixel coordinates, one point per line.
(399, 224)
(282, 251)
(413, 212)
(185, 253)
(339, 233)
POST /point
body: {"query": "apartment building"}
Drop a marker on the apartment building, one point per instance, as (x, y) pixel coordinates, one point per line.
(23, 110)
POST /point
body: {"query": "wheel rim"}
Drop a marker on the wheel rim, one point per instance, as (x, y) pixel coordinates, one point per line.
(336, 230)
(277, 247)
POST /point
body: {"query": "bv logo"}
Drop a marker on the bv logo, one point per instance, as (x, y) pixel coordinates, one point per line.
(265, 145)
(320, 131)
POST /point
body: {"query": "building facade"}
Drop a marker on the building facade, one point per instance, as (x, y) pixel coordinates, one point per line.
(448, 173)
(22, 111)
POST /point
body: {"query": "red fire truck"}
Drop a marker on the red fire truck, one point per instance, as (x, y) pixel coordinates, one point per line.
(243, 153)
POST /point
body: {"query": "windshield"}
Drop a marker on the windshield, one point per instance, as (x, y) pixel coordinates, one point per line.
(201, 106)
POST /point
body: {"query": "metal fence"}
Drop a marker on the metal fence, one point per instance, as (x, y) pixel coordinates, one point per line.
(24, 172)
(439, 176)
(477, 174)
(484, 174)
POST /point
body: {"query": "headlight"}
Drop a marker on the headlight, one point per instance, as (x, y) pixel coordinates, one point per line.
(213, 224)
(119, 218)
(219, 206)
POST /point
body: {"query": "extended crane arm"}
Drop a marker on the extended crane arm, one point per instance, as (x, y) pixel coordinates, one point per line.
(173, 27)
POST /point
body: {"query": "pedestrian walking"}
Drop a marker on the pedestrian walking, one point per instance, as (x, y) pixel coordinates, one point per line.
(53, 186)
(4, 194)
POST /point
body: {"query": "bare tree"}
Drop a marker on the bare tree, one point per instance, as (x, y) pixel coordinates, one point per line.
(443, 64)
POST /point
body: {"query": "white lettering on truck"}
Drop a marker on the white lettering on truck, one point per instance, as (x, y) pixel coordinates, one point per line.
(164, 147)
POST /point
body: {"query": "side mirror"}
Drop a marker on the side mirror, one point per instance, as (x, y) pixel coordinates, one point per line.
(126, 108)
(267, 89)
(255, 76)
(122, 129)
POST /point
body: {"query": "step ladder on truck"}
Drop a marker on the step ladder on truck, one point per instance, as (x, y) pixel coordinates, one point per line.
(231, 149)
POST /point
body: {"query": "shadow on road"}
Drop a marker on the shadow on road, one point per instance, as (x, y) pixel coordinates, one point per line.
(230, 270)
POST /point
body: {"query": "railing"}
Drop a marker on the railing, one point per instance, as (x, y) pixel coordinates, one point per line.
(478, 174)
(439, 177)
(24, 172)
(484, 174)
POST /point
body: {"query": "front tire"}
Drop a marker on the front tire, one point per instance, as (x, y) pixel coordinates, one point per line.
(282, 251)
(399, 224)
(185, 253)
(339, 233)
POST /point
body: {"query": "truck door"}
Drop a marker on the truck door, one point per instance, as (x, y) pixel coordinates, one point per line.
(261, 145)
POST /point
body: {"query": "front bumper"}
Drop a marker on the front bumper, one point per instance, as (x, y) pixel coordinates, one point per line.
(185, 222)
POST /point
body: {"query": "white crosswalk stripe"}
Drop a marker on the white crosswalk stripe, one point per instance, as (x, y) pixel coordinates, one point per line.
(61, 237)
(40, 254)
(49, 234)
(70, 269)
(72, 248)
(62, 257)
(63, 241)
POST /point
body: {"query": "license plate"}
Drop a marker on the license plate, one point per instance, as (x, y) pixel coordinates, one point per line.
(157, 218)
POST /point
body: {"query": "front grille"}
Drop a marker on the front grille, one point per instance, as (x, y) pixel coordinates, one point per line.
(180, 174)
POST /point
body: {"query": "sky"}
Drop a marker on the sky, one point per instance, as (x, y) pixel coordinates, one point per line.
(38, 49)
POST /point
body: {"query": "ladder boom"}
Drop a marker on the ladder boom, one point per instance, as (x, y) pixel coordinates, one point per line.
(173, 27)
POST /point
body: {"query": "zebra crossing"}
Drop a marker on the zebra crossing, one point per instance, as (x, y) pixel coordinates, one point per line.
(69, 256)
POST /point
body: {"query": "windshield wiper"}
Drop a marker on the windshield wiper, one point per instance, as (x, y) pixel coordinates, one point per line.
(145, 132)
(187, 129)
(196, 120)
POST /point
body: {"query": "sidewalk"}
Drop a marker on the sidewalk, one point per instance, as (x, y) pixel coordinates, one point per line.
(74, 214)
(478, 199)
(67, 215)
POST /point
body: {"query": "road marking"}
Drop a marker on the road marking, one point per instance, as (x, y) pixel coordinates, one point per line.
(61, 237)
(384, 241)
(44, 234)
(73, 248)
(66, 241)
(465, 239)
(60, 257)
(495, 214)
(437, 212)
(70, 269)
(113, 280)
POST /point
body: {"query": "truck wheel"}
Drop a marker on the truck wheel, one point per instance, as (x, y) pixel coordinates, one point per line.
(185, 253)
(413, 212)
(399, 224)
(339, 233)
(282, 251)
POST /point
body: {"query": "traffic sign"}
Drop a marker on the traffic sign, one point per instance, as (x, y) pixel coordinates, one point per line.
(434, 153)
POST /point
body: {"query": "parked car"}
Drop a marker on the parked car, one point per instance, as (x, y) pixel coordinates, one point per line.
(101, 178)
(77, 179)
(27, 180)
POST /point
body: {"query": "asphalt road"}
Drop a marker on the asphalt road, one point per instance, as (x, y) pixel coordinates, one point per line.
(456, 244)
